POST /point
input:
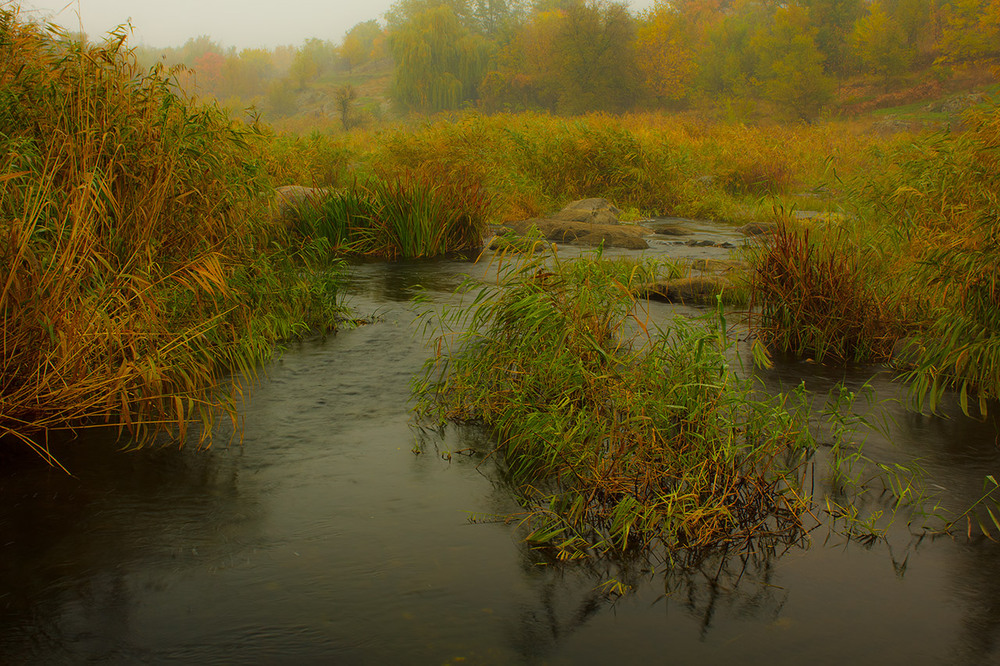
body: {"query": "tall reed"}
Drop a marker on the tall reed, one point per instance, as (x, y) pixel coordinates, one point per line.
(139, 266)
(818, 294)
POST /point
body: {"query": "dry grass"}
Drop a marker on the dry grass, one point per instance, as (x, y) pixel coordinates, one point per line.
(138, 267)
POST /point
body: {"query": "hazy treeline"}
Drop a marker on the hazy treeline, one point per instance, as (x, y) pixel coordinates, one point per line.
(268, 78)
(575, 56)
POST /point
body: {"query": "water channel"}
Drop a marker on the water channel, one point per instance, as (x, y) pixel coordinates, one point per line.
(323, 538)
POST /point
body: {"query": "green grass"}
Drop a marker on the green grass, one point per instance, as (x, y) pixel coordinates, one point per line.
(616, 434)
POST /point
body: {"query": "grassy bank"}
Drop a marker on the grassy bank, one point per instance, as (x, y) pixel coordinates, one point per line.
(913, 270)
(140, 266)
(653, 164)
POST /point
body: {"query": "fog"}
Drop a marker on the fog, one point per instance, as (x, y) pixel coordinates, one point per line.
(239, 23)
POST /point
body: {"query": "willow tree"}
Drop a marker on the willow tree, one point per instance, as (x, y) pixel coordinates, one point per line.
(440, 60)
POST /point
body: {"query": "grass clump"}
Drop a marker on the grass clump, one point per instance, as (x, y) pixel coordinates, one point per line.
(408, 217)
(617, 434)
(815, 298)
(139, 267)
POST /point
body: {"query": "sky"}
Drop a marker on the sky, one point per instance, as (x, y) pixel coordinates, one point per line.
(239, 23)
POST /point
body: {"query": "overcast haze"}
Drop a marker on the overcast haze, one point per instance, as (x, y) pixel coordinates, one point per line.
(239, 23)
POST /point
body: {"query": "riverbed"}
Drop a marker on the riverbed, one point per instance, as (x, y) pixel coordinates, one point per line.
(336, 532)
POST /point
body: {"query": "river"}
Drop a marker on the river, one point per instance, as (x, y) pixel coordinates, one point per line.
(324, 538)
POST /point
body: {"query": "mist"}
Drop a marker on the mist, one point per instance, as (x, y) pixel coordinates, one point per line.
(232, 23)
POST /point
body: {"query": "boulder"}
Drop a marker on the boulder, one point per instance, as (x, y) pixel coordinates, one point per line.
(671, 231)
(628, 236)
(690, 290)
(591, 211)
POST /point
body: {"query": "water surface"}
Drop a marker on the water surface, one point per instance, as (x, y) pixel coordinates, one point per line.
(324, 539)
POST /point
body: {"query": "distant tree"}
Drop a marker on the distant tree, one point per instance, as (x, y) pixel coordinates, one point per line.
(595, 50)
(315, 58)
(527, 73)
(404, 11)
(664, 53)
(498, 18)
(970, 31)
(208, 67)
(834, 21)
(880, 43)
(440, 61)
(344, 99)
(359, 44)
(246, 75)
(791, 63)
(726, 62)
(193, 49)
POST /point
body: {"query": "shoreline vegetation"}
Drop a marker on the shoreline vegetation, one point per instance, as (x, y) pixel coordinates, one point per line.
(140, 270)
(145, 269)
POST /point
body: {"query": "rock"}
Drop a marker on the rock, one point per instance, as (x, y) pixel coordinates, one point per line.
(671, 231)
(700, 243)
(628, 236)
(757, 228)
(289, 200)
(696, 290)
(591, 211)
(613, 238)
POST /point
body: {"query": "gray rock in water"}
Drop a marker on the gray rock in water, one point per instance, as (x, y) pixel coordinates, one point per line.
(626, 236)
(691, 290)
(671, 231)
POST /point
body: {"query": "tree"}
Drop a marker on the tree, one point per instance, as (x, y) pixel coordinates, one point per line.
(344, 99)
(880, 44)
(664, 53)
(440, 62)
(527, 74)
(791, 64)
(315, 58)
(970, 31)
(834, 21)
(595, 50)
(359, 42)
(209, 70)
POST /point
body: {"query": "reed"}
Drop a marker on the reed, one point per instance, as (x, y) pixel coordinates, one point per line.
(615, 434)
(820, 297)
(411, 216)
(535, 163)
(139, 265)
(947, 200)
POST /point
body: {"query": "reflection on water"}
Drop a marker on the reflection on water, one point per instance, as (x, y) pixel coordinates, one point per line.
(324, 539)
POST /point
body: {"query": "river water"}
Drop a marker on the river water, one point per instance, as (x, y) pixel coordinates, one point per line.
(323, 538)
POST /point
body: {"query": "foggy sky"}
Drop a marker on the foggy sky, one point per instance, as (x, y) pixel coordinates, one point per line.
(239, 23)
